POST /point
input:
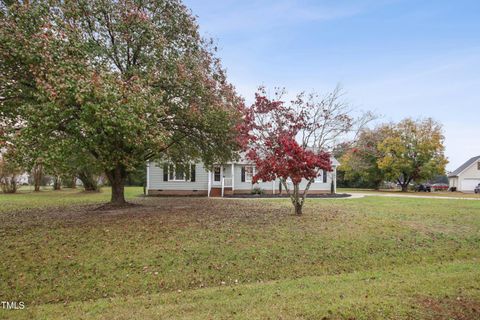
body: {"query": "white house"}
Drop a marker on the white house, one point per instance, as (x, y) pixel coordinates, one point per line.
(23, 178)
(467, 176)
(219, 180)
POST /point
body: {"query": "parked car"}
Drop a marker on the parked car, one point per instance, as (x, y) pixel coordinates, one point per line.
(423, 188)
(477, 188)
(440, 187)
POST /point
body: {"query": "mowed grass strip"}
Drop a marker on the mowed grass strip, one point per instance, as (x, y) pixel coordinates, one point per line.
(53, 258)
(440, 291)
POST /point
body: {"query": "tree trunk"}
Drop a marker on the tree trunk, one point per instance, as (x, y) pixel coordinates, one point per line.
(37, 173)
(9, 183)
(88, 180)
(297, 201)
(13, 184)
(117, 179)
(405, 182)
(298, 208)
(72, 182)
(57, 182)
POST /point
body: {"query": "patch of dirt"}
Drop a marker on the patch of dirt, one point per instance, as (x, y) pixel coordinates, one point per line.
(448, 308)
(164, 214)
(167, 212)
(112, 206)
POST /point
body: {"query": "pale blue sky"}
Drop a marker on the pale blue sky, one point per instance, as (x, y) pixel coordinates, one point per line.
(400, 58)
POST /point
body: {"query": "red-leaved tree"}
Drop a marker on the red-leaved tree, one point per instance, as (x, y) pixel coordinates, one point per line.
(287, 160)
(290, 141)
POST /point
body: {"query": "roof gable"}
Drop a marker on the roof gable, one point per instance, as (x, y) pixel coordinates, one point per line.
(464, 166)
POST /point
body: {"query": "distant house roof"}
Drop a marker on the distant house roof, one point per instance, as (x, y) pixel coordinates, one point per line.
(464, 166)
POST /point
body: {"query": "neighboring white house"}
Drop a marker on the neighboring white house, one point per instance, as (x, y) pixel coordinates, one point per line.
(23, 178)
(467, 176)
(221, 179)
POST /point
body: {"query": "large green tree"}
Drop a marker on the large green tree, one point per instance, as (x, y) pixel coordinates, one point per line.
(125, 81)
(412, 151)
(402, 152)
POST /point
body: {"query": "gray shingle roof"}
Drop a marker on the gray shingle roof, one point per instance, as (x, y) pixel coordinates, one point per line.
(464, 166)
(243, 159)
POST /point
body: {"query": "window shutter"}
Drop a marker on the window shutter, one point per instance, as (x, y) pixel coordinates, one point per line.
(243, 174)
(324, 176)
(186, 172)
(192, 173)
(165, 172)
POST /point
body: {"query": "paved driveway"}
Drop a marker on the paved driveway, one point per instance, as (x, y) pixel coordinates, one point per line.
(361, 195)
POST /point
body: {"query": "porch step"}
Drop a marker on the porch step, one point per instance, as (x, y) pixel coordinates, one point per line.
(217, 192)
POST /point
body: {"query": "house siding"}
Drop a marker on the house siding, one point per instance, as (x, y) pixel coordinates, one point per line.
(156, 179)
(156, 185)
(471, 173)
(267, 186)
(239, 185)
(453, 182)
(317, 186)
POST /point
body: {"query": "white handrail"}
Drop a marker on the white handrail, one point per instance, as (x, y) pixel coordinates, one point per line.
(209, 183)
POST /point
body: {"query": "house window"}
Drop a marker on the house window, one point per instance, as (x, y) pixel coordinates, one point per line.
(176, 172)
(249, 172)
(322, 177)
(217, 173)
(478, 165)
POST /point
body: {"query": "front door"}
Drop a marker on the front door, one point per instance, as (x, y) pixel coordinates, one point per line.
(217, 175)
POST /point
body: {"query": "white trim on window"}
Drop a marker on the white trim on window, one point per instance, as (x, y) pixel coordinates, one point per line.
(249, 173)
(319, 177)
(217, 174)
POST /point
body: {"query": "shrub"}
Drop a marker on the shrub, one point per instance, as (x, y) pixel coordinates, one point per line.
(258, 190)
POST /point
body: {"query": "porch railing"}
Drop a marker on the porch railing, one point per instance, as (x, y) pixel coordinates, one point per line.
(226, 183)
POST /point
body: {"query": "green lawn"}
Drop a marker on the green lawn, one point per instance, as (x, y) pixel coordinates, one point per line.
(28, 200)
(198, 258)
